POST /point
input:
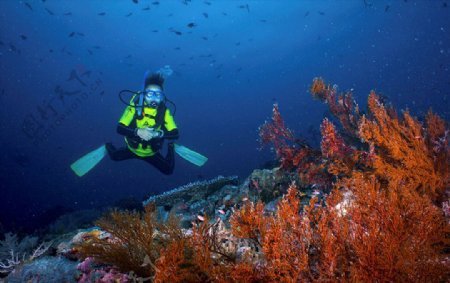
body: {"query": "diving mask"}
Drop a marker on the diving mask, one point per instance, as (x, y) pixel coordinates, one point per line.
(153, 96)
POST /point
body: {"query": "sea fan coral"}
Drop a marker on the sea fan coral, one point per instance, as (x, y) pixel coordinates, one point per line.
(135, 242)
(293, 153)
(405, 153)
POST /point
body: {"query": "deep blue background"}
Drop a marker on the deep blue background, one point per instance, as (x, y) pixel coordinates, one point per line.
(229, 70)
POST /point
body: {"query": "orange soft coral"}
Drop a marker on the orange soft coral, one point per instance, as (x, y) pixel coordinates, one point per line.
(284, 238)
(396, 234)
(402, 155)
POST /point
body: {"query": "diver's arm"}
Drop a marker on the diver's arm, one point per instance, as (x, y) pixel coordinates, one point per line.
(126, 130)
(171, 135)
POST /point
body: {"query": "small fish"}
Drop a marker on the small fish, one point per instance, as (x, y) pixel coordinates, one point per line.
(101, 13)
(29, 6)
(155, 30)
(135, 1)
(128, 15)
(263, 21)
(128, 57)
(177, 32)
(50, 50)
(205, 15)
(225, 14)
(96, 47)
(321, 13)
(204, 38)
(386, 8)
(221, 211)
(191, 25)
(102, 93)
(146, 8)
(207, 3)
(72, 34)
(306, 14)
(246, 6)
(90, 52)
(68, 14)
(245, 199)
(237, 43)
(177, 48)
(49, 12)
(155, 3)
(201, 218)
(24, 37)
(80, 33)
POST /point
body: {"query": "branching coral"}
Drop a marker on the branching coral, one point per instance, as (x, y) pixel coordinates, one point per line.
(405, 152)
(135, 242)
(341, 106)
(202, 257)
(380, 222)
(293, 153)
(14, 253)
(284, 238)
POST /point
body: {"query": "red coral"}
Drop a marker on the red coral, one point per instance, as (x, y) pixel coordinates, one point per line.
(341, 106)
(332, 144)
(293, 153)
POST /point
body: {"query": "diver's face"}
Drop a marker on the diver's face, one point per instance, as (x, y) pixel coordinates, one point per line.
(153, 95)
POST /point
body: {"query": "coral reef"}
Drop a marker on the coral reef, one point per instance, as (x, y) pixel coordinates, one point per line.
(381, 179)
(14, 253)
(133, 241)
(212, 197)
(200, 189)
(46, 269)
(370, 205)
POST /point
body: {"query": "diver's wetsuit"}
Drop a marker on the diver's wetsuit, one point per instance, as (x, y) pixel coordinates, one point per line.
(165, 165)
(140, 149)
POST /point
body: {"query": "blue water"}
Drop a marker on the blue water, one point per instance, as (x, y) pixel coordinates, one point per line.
(237, 59)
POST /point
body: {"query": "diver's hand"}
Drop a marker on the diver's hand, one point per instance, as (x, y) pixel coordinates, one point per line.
(156, 133)
(145, 133)
(148, 133)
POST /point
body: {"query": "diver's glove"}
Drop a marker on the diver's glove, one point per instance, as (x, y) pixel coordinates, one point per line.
(144, 133)
(157, 133)
(149, 133)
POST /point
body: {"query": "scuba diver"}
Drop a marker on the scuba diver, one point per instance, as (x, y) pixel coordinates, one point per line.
(146, 123)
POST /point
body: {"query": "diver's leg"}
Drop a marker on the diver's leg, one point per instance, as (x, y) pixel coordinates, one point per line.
(119, 154)
(165, 165)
